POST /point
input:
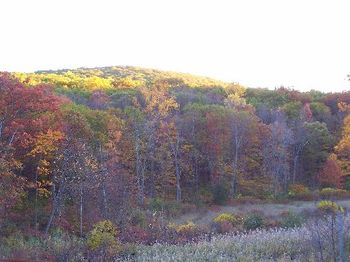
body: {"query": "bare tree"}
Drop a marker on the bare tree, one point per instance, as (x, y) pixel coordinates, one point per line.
(276, 154)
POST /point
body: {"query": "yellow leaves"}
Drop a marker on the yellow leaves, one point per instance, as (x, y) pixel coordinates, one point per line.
(187, 148)
(342, 149)
(104, 233)
(43, 167)
(91, 163)
(226, 217)
(46, 143)
(235, 100)
(183, 228)
(167, 106)
(95, 82)
(332, 157)
(127, 82)
(235, 89)
(159, 101)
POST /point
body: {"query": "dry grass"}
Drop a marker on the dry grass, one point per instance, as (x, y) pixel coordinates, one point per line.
(268, 209)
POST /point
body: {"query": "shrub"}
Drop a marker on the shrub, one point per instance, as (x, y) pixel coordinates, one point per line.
(298, 191)
(182, 233)
(186, 228)
(333, 193)
(326, 206)
(172, 208)
(226, 217)
(183, 228)
(281, 197)
(291, 219)
(220, 194)
(253, 221)
(188, 208)
(64, 247)
(224, 223)
(138, 218)
(222, 227)
(255, 188)
(103, 234)
(136, 234)
(242, 200)
(156, 204)
(59, 246)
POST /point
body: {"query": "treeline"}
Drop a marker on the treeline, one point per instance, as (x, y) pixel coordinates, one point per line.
(84, 145)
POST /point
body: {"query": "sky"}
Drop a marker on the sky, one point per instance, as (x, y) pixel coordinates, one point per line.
(301, 44)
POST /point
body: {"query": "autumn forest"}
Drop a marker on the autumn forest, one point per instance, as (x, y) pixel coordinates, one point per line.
(108, 158)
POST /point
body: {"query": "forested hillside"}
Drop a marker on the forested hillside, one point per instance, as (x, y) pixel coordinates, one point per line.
(85, 145)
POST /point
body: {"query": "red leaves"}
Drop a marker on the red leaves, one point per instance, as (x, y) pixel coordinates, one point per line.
(331, 175)
(26, 111)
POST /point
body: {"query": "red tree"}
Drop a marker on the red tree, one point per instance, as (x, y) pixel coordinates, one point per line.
(331, 175)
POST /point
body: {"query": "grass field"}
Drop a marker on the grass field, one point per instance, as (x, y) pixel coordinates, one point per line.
(268, 209)
(315, 241)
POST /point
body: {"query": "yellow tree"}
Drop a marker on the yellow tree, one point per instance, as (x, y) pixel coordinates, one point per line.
(342, 149)
(45, 146)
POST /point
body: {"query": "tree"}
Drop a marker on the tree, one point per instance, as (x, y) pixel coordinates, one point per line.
(342, 149)
(175, 145)
(331, 175)
(240, 124)
(316, 151)
(44, 150)
(25, 114)
(277, 155)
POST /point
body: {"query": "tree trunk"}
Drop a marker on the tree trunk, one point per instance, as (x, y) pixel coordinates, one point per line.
(178, 177)
(36, 201)
(295, 163)
(55, 205)
(81, 210)
(1, 126)
(104, 197)
(175, 148)
(235, 163)
(139, 173)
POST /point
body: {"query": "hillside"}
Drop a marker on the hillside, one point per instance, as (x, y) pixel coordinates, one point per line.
(136, 148)
(144, 75)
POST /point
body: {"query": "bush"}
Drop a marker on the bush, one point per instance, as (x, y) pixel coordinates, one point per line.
(328, 192)
(182, 233)
(59, 246)
(326, 206)
(186, 228)
(291, 219)
(226, 217)
(136, 234)
(225, 222)
(138, 218)
(103, 235)
(222, 227)
(299, 191)
(156, 204)
(172, 208)
(242, 200)
(205, 196)
(253, 221)
(220, 194)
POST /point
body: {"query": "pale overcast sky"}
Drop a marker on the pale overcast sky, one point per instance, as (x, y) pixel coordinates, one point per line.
(302, 44)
